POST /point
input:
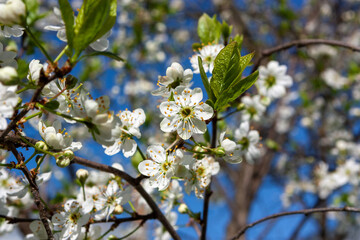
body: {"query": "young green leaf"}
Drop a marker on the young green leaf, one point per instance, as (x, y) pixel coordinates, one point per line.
(205, 81)
(91, 23)
(111, 20)
(209, 29)
(67, 15)
(235, 90)
(106, 54)
(227, 68)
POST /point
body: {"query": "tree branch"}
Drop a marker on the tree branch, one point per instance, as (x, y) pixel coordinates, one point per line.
(135, 182)
(302, 43)
(43, 81)
(13, 220)
(305, 211)
(34, 190)
(208, 191)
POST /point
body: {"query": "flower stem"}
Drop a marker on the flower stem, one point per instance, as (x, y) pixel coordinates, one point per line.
(61, 54)
(83, 191)
(5, 165)
(22, 90)
(141, 153)
(33, 115)
(31, 157)
(40, 162)
(38, 44)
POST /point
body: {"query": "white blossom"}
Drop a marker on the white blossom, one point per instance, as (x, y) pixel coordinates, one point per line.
(8, 75)
(70, 221)
(34, 71)
(186, 114)
(38, 231)
(175, 76)
(55, 137)
(208, 54)
(109, 199)
(129, 128)
(161, 233)
(8, 100)
(60, 27)
(7, 58)
(273, 80)
(12, 12)
(199, 175)
(334, 80)
(13, 31)
(160, 167)
(248, 141)
(232, 152)
(254, 108)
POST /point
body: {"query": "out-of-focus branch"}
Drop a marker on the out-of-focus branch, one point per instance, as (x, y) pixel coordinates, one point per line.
(34, 190)
(305, 212)
(302, 43)
(13, 220)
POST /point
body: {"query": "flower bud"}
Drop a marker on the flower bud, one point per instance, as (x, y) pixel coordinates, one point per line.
(118, 209)
(8, 76)
(199, 149)
(12, 12)
(265, 101)
(82, 175)
(62, 161)
(64, 158)
(41, 145)
(220, 151)
(183, 208)
(240, 107)
(68, 154)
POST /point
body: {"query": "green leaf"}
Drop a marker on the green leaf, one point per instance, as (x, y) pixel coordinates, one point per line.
(205, 81)
(239, 39)
(70, 81)
(245, 60)
(226, 31)
(111, 20)
(67, 15)
(209, 29)
(23, 68)
(237, 88)
(91, 23)
(227, 68)
(53, 105)
(106, 54)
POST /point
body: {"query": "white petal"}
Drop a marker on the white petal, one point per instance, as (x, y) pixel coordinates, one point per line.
(129, 147)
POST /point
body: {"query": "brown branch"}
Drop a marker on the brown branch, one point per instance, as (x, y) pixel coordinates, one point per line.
(13, 220)
(43, 81)
(128, 219)
(208, 191)
(135, 182)
(305, 212)
(302, 43)
(34, 190)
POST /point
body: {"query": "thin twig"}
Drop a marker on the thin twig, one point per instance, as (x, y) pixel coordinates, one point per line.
(302, 43)
(34, 190)
(208, 191)
(13, 220)
(136, 184)
(305, 211)
(43, 81)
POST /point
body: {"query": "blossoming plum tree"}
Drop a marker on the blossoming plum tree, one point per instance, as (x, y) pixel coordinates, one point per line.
(215, 118)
